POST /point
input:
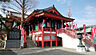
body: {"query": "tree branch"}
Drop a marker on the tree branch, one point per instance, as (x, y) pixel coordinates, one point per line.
(15, 5)
(11, 8)
(18, 3)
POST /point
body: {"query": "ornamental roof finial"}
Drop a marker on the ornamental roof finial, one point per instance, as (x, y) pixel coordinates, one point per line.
(53, 5)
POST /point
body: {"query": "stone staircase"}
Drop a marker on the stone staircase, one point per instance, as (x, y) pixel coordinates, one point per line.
(88, 40)
(12, 43)
(30, 43)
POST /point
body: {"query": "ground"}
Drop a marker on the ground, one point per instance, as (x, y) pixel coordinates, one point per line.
(44, 51)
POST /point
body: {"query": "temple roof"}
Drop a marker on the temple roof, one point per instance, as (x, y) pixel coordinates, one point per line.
(50, 11)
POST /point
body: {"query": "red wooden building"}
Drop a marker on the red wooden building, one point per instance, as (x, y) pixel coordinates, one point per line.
(43, 25)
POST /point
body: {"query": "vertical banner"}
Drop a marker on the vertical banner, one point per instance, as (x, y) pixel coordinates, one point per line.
(43, 23)
(74, 26)
(93, 33)
(22, 37)
(94, 36)
(84, 26)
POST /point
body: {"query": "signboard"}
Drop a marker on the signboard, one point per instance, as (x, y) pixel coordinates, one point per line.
(14, 34)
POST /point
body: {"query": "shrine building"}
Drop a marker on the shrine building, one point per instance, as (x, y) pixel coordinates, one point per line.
(44, 25)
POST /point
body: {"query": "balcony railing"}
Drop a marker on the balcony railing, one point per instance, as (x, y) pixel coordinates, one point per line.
(49, 29)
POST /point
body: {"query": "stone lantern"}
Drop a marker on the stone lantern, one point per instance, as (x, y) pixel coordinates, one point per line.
(80, 41)
(80, 47)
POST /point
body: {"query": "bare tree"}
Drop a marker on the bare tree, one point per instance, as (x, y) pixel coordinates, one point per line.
(20, 6)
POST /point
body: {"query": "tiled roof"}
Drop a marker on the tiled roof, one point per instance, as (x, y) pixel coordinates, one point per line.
(53, 14)
(46, 9)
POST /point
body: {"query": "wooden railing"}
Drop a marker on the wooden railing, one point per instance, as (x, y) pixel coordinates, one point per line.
(49, 29)
(88, 39)
(45, 29)
(71, 33)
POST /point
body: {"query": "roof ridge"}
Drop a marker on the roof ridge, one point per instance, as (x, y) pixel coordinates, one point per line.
(45, 9)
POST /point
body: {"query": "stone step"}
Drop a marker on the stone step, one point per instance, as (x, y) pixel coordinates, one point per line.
(12, 43)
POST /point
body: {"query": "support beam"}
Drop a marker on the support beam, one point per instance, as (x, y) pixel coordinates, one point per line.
(43, 33)
(42, 39)
(50, 38)
(50, 41)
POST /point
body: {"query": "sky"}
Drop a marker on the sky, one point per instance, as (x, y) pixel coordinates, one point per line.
(83, 11)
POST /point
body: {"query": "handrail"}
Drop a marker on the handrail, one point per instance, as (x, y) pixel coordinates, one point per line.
(88, 39)
(71, 33)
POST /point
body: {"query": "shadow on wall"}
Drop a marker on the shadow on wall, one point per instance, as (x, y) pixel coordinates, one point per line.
(7, 52)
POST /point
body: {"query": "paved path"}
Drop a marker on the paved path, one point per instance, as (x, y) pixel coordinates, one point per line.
(44, 51)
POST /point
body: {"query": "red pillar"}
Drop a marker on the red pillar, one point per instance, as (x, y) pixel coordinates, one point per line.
(56, 40)
(43, 34)
(42, 41)
(50, 41)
